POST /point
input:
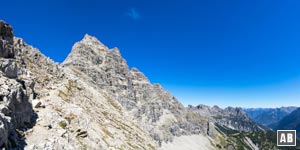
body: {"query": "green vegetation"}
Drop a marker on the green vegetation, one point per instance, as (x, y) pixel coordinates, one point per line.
(63, 96)
(225, 130)
(263, 139)
(151, 146)
(62, 124)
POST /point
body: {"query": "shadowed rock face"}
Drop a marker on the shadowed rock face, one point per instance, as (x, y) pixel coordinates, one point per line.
(6, 40)
(15, 109)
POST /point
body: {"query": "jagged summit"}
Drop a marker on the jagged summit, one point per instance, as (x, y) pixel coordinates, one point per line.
(91, 40)
(90, 49)
(86, 49)
(116, 51)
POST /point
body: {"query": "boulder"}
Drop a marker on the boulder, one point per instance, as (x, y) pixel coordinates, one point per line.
(36, 103)
(9, 68)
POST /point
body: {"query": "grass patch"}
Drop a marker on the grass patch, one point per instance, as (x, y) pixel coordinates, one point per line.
(63, 96)
(107, 133)
(151, 146)
(62, 124)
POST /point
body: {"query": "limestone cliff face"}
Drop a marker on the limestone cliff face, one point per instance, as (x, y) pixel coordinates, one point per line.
(156, 110)
(16, 112)
(6, 41)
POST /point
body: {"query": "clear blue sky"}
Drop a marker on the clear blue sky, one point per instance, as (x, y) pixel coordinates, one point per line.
(223, 52)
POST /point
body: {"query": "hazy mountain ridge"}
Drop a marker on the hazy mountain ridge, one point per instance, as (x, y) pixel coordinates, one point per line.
(230, 117)
(268, 116)
(289, 122)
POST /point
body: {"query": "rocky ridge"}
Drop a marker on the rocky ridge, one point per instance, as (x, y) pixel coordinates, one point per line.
(233, 118)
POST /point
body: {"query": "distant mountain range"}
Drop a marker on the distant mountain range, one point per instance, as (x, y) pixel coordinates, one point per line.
(289, 122)
(283, 118)
(230, 117)
(268, 116)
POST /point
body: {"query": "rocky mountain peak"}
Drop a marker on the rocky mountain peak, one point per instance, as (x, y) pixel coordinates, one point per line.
(115, 51)
(88, 49)
(91, 40)
(156, 110)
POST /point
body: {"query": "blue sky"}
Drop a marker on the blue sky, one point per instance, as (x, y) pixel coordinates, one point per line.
(215, 52)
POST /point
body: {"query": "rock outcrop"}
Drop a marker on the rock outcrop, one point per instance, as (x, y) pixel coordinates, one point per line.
(16, 113)
(6, 40)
